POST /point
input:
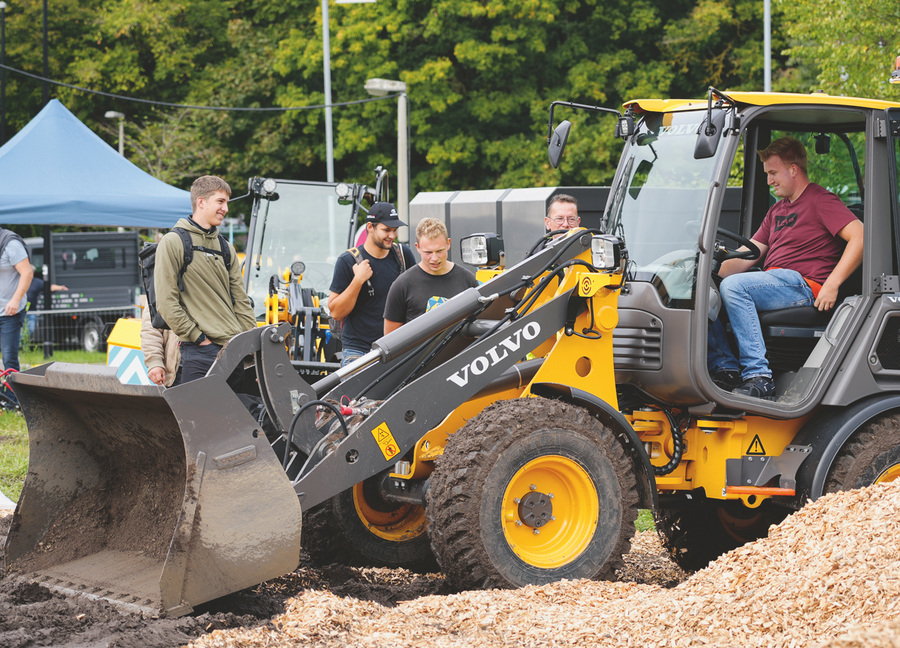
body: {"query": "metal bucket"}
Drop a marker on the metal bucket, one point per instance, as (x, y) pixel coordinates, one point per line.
(156, 500)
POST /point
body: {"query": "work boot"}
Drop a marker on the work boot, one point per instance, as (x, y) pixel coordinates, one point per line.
(757, 387)
(727, 379)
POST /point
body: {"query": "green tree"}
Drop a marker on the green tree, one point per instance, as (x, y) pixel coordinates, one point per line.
(850, 47)
(480, 75)
(720, 43)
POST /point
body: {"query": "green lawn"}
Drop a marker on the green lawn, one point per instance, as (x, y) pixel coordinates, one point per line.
(13, 435)
(13, 453)
(35, 356)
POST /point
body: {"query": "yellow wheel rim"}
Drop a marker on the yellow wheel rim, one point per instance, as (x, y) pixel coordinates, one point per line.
(890, 474)
(550, 511)
(395, 523)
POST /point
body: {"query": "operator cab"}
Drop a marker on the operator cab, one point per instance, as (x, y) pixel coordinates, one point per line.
(689, 192)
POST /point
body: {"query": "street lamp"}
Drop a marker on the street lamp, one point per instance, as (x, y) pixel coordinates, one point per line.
(2, 72)
(380, 88)
(767, 45)
(326, 60)
(114, 114)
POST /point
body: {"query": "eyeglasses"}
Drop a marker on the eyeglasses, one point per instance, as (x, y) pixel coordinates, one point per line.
(572, 220)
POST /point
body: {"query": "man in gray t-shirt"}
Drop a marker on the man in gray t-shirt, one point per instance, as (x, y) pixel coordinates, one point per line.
(15, 278)
(431, 282)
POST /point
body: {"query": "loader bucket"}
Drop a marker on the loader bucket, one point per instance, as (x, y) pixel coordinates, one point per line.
(156, 500)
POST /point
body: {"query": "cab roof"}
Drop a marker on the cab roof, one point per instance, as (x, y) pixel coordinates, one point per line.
(762, 99)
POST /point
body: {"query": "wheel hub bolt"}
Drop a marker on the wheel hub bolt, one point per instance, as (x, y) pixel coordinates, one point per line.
(535, 510)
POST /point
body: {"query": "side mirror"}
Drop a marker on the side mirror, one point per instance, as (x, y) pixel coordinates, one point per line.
(708, 135)
(558, 142)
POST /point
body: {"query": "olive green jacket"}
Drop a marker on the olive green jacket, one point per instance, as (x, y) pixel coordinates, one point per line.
(206, 305)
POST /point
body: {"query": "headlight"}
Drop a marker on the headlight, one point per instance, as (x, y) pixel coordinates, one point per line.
(481, 249)
(607, 252)
(344, 193)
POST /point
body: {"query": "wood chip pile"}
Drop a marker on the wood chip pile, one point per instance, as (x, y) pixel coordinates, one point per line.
(828, 576)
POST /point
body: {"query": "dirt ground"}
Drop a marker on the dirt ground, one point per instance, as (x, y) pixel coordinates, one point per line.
(31, 615)
(826, 577)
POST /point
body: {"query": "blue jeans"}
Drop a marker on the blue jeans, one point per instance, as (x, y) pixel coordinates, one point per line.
(348, 355)
(196, 360)
(743, 295)
(10, 333)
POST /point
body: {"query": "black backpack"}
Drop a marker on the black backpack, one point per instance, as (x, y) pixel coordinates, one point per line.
(148, 265)
(337, 325)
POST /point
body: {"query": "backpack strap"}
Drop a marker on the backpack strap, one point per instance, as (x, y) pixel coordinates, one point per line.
(188, 245)
(187, 242)
(358, 258)
(401, 258)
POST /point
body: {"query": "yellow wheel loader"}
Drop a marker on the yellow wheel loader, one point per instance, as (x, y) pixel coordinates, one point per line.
(526, 420)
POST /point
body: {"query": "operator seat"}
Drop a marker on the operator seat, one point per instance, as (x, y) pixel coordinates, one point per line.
(790, 333)
(807, 321)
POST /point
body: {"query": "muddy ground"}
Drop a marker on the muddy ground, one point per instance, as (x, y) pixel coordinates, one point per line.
(31, 615)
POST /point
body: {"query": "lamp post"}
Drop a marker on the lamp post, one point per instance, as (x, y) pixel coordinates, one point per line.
(2, 72)
(114, 114)
(767, 45)
(380, 88)
(326, 61)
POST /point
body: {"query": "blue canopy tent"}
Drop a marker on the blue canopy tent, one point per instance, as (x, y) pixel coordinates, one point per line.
(56, 171)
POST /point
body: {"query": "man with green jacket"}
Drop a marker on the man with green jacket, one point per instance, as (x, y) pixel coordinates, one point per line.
(213, 307)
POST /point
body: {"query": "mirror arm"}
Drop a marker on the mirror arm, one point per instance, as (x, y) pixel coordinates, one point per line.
(580, 107)
(709, 106)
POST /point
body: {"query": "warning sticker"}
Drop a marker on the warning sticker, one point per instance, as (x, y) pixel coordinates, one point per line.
(386, 441)
(756, 447)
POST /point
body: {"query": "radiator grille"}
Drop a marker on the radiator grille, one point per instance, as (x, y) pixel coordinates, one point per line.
(637, 341)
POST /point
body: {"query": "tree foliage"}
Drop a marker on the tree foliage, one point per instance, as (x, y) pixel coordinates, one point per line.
(849, 47)
(480, 76)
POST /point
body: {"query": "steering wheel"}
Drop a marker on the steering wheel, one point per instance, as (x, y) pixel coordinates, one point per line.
(723, 253)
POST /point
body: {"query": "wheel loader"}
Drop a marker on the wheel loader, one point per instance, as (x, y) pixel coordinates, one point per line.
(513, 433)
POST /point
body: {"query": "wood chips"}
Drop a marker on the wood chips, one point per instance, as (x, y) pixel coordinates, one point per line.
(829, 575)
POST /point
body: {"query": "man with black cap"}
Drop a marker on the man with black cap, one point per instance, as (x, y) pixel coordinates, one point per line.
(362, 279)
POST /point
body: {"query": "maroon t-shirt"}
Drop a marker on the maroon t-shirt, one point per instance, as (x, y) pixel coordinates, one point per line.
(802, 235)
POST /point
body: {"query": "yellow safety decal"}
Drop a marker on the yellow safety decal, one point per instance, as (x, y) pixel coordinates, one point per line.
(756, 447)
(386, 441)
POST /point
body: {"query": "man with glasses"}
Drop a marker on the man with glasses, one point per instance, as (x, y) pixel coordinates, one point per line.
(562, 213)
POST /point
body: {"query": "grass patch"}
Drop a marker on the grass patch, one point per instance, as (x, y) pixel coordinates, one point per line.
(13, 454)
(34, 357)
(644, 520)
(14, 435)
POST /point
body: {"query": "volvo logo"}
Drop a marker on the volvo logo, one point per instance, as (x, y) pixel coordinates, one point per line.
(495, 354)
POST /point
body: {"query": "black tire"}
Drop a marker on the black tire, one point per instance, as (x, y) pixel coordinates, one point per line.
(322, 541)
(699, 530)
(359, 528)
(870, 456)
(531, 452)
(92, 336)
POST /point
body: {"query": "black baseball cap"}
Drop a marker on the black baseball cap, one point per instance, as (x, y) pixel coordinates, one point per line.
(384, 213)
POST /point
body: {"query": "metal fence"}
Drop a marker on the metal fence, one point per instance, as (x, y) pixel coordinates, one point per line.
(81, 328)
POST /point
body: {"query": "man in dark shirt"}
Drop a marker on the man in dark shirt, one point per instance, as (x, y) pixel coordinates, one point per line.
(811, 243)
(426, 285)
(362, 279)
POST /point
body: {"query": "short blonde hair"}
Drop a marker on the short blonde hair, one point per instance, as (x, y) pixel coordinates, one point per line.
(431, 228)
(206, 186)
